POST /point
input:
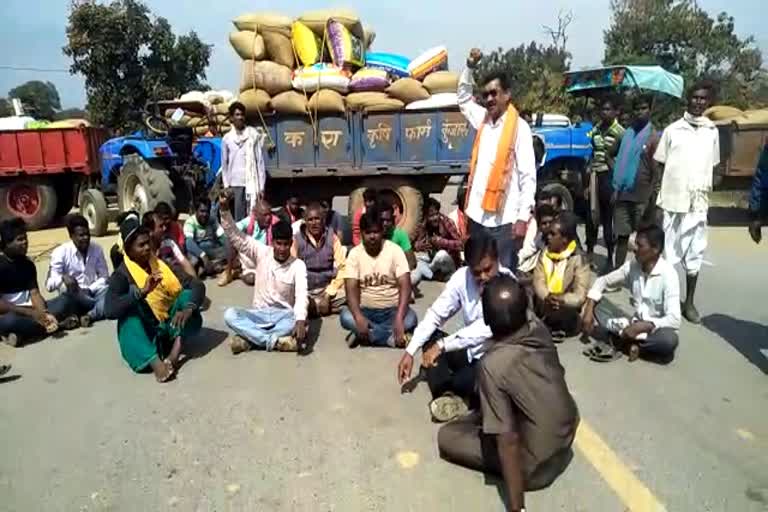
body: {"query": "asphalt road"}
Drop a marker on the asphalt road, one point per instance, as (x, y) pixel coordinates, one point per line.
(332, 431)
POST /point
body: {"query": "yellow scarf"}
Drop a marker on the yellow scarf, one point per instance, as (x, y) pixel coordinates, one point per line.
(503, 164)
(554, 267)
(160, 299)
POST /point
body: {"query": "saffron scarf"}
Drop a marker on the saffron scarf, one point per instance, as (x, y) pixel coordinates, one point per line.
(628, 160)
(554, 267)
(162, 298)
(503, 164)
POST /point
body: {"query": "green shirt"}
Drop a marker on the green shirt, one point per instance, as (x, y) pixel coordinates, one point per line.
(400, 238)
(605, 145)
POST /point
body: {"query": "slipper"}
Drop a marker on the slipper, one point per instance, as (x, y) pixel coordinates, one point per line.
(604, 353)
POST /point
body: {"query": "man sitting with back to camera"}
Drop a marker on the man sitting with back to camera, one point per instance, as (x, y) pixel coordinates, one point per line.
(528, 418)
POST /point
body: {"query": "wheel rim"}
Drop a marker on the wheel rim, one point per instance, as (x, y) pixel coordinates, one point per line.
(136, 197)
(24, 200)
(89, 212)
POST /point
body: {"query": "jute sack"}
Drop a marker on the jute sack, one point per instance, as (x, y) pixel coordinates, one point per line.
(318, 19)
(201, 130)
(248, 44)
(373, 102)
(408, 90)
(266, 75)
(289, 102)
(723, 112)
(279, 48)
(263, 22)
(221, 108)
(253, 100)
(441, 81)
(326, 100)
(755, 117)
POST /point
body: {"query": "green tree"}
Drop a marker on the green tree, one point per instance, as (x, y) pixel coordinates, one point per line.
(535, 71)
(128, 57)
(5, 108)
(684, 39)
(40, 99)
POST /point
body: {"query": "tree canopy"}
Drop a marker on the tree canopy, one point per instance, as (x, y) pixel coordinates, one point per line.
(129, 57)
(40, 99)
(681, 37)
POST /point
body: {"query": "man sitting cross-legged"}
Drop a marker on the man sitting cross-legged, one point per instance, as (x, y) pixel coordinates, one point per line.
(320, 249)
(378, 288)
(438, 245)
(24, 314)
(277, 319)
(528, 418)
(207, 249)
(451, 362)
(561, 279)
(652, 331)
(78, 269)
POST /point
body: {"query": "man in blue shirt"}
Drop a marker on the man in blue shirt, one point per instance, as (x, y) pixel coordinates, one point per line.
(758, 198)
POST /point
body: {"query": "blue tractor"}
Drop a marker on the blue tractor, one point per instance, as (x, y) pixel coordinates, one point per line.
(159, 164)
(563, 150)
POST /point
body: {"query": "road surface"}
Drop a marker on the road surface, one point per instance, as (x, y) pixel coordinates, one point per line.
(332, 431)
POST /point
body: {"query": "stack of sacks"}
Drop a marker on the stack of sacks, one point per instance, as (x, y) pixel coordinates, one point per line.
(263, 41)
(212, 116)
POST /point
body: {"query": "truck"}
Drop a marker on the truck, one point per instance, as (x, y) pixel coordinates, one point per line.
(740, 146)
(406, 155)
(45, 172)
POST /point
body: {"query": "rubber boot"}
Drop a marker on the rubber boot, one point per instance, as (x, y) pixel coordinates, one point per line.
(689, 310)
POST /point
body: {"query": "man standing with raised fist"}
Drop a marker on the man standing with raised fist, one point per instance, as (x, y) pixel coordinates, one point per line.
(502, 172)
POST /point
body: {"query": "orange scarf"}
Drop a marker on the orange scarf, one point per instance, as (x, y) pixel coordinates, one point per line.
(501, 172)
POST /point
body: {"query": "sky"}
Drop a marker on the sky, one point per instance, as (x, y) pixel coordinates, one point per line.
(34, 31)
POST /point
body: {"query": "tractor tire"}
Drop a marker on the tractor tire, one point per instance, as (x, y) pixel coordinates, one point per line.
(560, 190)
(141, 185)
(33, 200)
(409, 198)
(93, 207)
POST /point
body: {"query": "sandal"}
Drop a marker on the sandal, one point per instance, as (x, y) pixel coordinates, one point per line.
(170, 373)
(224, 279)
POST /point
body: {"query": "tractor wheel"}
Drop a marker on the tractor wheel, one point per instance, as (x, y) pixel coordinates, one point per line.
(560, 190)
(407, 199)
(33, 200)
(93, 207)
(141, 185)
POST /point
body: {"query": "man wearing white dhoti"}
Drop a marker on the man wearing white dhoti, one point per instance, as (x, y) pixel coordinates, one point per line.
(689, 150)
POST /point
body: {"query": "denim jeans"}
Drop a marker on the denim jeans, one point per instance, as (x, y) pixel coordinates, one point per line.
(379, 324)
(260, 327)
(507, 246)
(25, 327)
(88, 302)
(214, 250)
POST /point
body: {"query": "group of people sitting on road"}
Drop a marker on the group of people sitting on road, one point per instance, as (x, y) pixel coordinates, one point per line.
(512, 263)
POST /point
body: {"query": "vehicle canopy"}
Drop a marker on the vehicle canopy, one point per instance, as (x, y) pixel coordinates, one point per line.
(644, 78)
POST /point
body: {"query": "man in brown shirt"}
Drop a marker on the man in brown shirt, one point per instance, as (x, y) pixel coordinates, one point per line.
(528, 418)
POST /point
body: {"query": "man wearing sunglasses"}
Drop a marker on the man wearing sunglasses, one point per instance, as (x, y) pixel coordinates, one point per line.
(502, 172)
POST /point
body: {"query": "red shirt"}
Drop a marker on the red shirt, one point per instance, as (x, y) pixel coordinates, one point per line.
(176, 233)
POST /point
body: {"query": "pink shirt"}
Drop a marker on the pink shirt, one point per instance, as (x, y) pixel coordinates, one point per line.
(278, 285)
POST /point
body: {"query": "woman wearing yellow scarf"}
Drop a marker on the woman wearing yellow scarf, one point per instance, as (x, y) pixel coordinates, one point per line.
(155, 308)
(561, 279)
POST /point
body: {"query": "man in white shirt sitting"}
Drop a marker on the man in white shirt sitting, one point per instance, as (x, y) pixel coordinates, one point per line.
(652, 331)
(78, 268)
(502, 171)
(450, 361)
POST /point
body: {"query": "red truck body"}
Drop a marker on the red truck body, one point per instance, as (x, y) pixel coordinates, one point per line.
(43, 171)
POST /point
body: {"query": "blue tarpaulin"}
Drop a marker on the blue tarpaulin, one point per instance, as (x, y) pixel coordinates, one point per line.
(646, 78)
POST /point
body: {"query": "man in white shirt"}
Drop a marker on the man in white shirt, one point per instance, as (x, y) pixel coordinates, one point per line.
(652, 331)
(450, 361)
(242, 163)
(277, 318)
(689, 150)
(502, 179)
(78, 268)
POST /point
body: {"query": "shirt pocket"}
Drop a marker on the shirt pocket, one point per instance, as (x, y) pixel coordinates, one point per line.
(283, 283)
